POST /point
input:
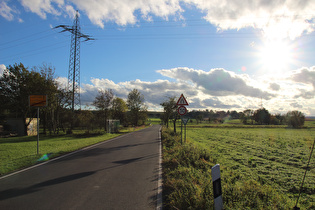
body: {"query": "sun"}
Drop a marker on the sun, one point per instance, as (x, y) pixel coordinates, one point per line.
(275, 56)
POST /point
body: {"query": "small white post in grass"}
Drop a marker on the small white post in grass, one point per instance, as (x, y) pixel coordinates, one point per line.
(217, 190)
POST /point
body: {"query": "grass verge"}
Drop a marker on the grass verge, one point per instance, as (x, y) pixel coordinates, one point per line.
(21, 152)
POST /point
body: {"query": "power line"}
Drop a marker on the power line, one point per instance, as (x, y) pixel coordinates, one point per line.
(25, 42)
(26, 37)
(36, 51)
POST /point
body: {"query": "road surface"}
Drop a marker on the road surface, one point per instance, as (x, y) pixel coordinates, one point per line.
(118, 174)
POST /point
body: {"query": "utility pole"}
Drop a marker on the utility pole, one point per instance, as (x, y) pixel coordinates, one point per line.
(74, 61)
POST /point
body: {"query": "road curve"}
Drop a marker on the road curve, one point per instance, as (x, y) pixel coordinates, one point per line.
(121, 173)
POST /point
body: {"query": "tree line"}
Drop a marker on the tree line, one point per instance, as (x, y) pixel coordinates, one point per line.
(17, 83)
(294, 119)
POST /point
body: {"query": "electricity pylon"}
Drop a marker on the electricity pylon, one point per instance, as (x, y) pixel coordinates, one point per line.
(74, 61)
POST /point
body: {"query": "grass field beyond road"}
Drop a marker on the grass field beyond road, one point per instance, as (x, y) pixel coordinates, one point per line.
(273, 157)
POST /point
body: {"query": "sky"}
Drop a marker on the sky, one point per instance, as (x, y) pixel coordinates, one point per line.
(221, 54)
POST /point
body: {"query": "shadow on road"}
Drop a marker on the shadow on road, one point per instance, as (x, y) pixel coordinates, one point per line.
(10, 193)
(6, 194)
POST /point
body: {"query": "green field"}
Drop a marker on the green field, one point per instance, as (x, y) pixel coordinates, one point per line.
(21, 152)
(272, 156)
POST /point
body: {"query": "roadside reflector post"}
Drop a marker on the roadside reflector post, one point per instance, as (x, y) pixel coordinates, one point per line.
(217, 190)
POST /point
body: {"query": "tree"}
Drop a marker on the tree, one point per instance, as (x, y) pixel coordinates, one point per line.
(119, 109)
(235, 115)
(199, 118)
(168, 107)
(295, 119)
(170, 111)
(85, 119)
(246, 115)
(103, 102)
(50, 113)
(262, 116)
(137, 109)
(16, 84)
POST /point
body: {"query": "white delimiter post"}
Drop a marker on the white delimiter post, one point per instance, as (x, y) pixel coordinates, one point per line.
(217, 190)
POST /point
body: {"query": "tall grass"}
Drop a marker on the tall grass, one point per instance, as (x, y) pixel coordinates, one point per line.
(186, 175)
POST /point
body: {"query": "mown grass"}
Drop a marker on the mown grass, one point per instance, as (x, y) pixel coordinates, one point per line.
(264, 158)
(154, 121)
(21, 152)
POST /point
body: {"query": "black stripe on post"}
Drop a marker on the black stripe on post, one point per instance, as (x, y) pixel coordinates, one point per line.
(217, 190)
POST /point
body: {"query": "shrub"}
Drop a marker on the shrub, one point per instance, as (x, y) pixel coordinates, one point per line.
(295, 119)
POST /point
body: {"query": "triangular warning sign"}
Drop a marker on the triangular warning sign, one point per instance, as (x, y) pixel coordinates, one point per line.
(182, 101)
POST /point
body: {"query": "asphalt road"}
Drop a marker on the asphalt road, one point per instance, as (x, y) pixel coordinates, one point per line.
(118, 174)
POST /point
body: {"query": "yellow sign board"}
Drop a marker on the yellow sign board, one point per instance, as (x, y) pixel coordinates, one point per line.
(38, 100)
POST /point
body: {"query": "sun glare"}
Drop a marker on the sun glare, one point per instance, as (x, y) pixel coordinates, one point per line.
(275, 57)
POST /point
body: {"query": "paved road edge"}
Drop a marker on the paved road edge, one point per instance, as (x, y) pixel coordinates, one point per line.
(159, 204)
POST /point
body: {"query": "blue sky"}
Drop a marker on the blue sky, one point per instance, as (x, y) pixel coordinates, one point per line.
(222, 55)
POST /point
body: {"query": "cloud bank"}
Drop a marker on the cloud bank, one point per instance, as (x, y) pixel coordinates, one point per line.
(276, 19)
(217, 89)
(217, 82)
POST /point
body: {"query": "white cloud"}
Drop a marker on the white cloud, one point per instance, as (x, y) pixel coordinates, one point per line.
(217, 82)
(6, 11)
(70, 11)
(154, 92)
(218, 104)
(275, 18)
(123, 12)
(305, 77)
(43, 7)
(62, 82)
(2, 68)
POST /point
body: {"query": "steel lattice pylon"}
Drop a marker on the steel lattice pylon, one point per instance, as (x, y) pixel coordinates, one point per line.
(74, 65)
(74, 62)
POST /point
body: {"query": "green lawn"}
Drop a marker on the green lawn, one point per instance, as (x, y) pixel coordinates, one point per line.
(273, 157)
(20, 152)
(154, 121)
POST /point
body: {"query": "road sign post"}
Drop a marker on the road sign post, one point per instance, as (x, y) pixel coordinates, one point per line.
(182, 102)
(181, 132)
(38, 101)
(185, 120)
